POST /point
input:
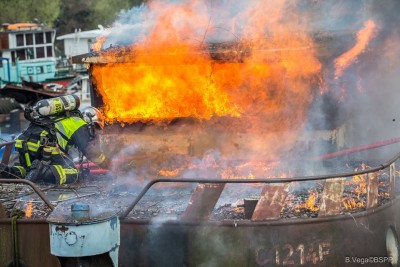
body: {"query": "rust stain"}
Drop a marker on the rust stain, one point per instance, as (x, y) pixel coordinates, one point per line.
(61, 228)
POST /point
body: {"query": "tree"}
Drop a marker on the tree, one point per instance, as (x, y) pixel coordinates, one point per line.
(18, 11)
(106, 11)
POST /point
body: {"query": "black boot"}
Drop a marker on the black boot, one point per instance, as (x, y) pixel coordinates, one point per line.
(35, 170)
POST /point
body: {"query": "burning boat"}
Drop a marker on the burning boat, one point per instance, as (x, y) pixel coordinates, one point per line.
(212, 165)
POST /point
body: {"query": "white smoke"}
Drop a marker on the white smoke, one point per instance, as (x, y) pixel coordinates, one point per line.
(367, 113)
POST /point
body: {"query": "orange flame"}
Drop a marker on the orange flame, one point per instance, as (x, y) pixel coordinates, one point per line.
(351, 204)
(363, 38)
(171, 75)
(28, 210)
(99, 43)
(170, 173)
(311, 201)
(360, 181)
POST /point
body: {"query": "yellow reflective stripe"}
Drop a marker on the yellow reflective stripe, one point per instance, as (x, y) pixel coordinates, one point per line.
(60, 140)
(33, 146)
(18, 143)
(61, 173)
(70, 171)
(68, 127)
(28, 159)
(21, 170)
(44, 133)
(55, 152)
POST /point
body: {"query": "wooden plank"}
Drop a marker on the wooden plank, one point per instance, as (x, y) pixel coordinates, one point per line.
(270, 204)
(7, 153)
(331, 197)
(203, 201)
(372, 190)
(392, 175)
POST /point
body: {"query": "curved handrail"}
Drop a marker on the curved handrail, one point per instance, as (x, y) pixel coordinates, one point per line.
(265, 181)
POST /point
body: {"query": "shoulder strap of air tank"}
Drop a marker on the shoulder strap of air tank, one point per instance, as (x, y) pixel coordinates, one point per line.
(52, 129)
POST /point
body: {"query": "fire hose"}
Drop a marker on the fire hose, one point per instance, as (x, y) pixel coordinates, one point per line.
(359, 148)
(94, 169)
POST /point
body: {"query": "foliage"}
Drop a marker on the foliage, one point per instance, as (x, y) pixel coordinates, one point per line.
(64, 15)
(15, 11)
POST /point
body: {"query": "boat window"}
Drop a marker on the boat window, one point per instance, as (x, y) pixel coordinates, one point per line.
(40, 52)
(29, 38)
(13, 57)
(21, 54)
(49, 50)
(48, 37)
(39, 38)
(20, 39)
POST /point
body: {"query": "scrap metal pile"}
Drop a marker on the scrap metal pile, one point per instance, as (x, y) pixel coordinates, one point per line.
(170, 200)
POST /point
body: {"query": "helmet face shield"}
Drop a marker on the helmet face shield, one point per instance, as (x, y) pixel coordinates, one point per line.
(93, 116)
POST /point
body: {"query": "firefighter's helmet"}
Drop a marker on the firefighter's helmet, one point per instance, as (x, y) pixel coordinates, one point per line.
(93, 116)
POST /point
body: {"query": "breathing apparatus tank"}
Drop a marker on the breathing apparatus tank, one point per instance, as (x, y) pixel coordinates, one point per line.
(53, 106)
(48, 107)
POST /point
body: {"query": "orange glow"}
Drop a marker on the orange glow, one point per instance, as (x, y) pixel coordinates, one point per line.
(351, 204)
(22, 26)
(171, 173)
(360, 181)
(171, 74)
(99, 43)
(359, 188)
(364, 36)
(311, 201)
(247, 170)
(28, 210)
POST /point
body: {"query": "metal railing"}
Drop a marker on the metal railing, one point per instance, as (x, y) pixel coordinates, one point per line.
(390, 164)
(380, 167)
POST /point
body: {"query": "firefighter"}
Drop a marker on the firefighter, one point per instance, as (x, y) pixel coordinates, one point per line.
(56, 125)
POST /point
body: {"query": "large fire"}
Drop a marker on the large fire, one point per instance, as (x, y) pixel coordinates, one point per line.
(257, 72)
(172, 73)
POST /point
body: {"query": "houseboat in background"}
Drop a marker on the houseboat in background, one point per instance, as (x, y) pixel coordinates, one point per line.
(27, 53)
(81, 42)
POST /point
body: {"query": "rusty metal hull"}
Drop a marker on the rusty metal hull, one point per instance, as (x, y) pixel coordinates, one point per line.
(33, 243)
(330, 241)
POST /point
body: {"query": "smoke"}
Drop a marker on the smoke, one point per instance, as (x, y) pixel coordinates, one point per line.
(301, 109)
(208, 21)
(363, 101)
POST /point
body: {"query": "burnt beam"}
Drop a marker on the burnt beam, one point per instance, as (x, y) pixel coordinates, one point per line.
(372, 190)
(392, 173)
(203, 201)
(271, 202)
(331, 197)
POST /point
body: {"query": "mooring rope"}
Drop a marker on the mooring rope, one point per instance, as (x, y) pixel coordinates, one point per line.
(15, 215)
